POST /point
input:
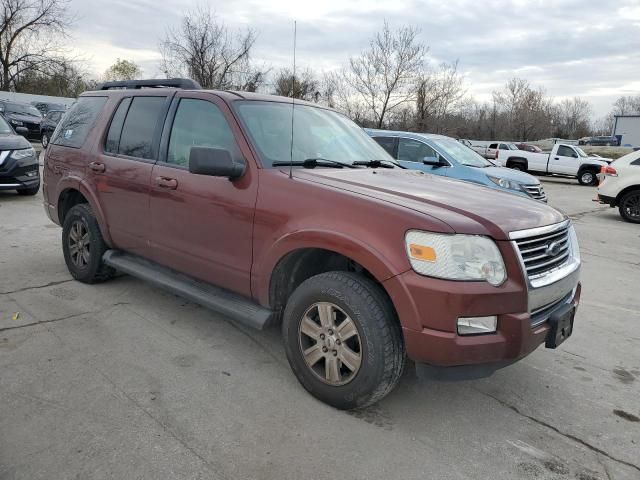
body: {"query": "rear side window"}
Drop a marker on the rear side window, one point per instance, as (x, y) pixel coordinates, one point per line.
(138, 130)
(74, 128)
(115, 129)
(636, 162)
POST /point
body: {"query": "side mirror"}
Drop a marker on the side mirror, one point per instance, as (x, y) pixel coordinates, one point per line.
(22, 130)
(436, 161)
(215, 162)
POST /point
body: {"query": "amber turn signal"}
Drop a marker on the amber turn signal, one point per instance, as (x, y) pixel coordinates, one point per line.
(420, 252)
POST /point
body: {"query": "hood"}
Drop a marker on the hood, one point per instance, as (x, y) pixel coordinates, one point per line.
(510, 174)
(466, 208)
(11, 141)
(23, 118)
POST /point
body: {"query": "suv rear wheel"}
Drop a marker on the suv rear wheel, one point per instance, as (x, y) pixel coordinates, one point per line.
(343, 340)
(630, 206)
(83, 246)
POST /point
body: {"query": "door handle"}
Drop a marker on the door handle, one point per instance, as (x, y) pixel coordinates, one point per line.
(168, 183)
(97, 167)
(557, 158)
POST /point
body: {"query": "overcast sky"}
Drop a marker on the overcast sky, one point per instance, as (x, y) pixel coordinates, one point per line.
(584, 48)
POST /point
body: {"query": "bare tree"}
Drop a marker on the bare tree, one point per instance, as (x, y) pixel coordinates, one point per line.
(437, 94)
(383, 76)
(526, 110)
(29, 30)
(305, 86)
(204, 49)
(65, 80)
(627, 105)
(572, 118)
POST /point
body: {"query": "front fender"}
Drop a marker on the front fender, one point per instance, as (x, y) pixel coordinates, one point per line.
(381, 265)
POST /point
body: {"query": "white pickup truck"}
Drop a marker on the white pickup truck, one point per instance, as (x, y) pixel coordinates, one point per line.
(565, 160)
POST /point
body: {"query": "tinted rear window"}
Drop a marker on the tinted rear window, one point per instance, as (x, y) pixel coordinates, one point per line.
(74, 128)
(140, 126)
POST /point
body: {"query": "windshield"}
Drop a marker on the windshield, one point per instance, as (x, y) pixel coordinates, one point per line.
(512, 146)
(4, 126)
(580, 152)
(23, 109)
(459, 153)
(318, 134)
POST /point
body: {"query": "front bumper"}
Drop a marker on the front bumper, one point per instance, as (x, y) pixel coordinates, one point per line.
(429, 308)
(16, 176)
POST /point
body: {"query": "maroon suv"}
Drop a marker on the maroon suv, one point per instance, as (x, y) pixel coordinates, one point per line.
(365, 263)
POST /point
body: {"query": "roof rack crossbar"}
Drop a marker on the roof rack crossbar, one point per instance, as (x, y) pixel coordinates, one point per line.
(182, 83)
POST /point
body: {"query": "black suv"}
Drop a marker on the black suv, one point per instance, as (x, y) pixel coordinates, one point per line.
(22, 115)
(49, 124)
(18, 162)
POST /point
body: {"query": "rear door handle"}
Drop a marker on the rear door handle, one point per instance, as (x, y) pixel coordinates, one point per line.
(168, 183)
(557, 158)
(97, 167)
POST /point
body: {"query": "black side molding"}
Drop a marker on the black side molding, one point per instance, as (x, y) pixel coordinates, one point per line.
(232, 305)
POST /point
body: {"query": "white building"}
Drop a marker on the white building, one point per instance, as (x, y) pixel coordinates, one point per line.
(629, 127)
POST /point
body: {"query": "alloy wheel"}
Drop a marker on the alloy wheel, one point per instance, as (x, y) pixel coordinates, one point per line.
(330, 343)
(79, 244)
(631, 206)
(587, 178)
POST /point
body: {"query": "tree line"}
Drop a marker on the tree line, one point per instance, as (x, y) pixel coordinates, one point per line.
(390, 84)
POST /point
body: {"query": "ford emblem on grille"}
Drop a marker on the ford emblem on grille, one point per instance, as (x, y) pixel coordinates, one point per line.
(553, 249)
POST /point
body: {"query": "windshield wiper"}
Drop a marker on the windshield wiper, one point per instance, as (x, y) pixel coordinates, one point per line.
(313, 163)
(378, 164)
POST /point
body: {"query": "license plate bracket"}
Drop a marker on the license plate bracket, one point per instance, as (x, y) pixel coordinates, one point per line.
(561, 323)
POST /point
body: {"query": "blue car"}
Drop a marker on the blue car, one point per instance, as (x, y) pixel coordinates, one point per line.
(445, 156)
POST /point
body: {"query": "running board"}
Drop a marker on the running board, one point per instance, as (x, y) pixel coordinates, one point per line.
(232, 305)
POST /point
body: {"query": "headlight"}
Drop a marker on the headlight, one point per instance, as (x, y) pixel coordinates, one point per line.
(17, 123)
(504, 183)
(23, 153)
(455, 257)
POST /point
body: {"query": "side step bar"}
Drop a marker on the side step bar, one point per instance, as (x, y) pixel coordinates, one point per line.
(232, 305)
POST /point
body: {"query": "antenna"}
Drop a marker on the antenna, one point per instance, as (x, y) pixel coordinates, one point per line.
(293, 96)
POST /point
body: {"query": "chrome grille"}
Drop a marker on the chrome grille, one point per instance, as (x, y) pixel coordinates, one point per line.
(545, 252)
(536, 192)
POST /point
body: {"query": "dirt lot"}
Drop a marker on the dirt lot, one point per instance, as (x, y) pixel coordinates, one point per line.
(122, 380)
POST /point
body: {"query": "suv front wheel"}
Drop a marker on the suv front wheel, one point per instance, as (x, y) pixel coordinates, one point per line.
(83, 246)
(343, 340)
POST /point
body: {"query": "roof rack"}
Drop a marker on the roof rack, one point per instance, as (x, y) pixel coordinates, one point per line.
(182, 83)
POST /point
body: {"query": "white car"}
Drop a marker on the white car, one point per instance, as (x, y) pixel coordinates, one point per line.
(620, 186)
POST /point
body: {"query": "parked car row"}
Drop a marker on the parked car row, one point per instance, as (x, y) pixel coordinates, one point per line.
(35, 122)
(364, 262)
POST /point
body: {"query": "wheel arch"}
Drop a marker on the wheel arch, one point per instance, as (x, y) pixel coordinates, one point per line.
(74, 191)
(624, 191)
(517, 160)
(302, 255)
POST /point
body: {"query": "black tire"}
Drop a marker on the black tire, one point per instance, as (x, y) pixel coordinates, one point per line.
(588, 178)
(89, 268)
(45, 140)
(629, 206)
(29, 191)
(382, 350)
(517, 166)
